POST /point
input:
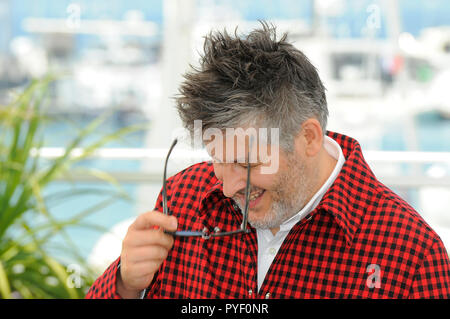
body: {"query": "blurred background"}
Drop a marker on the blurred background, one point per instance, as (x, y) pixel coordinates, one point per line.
(385, 64)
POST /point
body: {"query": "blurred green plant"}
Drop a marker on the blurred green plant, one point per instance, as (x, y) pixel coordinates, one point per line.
(27, 268)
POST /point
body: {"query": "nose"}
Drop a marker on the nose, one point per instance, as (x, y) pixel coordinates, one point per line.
(233, 178)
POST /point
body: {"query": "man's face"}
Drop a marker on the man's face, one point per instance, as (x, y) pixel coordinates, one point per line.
(274, 197)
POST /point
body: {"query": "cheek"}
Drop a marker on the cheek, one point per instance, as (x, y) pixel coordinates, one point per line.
(282, 183)
(268, 182)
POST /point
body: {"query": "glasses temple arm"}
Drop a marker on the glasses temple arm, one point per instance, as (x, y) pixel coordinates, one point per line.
(165, 210)
(247, 189)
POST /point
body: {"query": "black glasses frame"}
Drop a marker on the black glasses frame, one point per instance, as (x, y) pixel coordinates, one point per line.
(204, 233)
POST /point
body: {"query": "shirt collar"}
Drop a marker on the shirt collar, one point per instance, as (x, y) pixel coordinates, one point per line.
(215, 192)
(352, 191)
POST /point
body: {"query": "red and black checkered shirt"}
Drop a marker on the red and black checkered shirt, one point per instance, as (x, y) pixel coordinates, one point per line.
(361, 241)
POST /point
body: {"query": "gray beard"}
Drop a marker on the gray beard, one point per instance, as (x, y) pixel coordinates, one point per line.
(290, 197)
(278, 213)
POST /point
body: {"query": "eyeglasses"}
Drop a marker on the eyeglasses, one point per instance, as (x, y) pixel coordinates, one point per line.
(204, 233)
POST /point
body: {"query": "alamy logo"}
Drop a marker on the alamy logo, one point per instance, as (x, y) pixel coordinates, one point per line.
(229, 145)
(74, 18)
(374, 278)
(374, 19)
(74, 279)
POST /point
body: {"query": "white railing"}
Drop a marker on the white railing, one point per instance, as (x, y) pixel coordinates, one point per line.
(153, 173)
(160, 153)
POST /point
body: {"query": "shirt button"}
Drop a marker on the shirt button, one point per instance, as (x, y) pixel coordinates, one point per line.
(272, 251)
(268, 295)
(250, 292)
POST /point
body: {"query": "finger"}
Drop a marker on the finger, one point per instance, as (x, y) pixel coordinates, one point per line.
(145, 280)
(151, 253)
(138, 274)
(148, 237)
(143, 268)
(154, 218)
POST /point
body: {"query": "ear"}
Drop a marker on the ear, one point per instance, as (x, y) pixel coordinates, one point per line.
(309, 140)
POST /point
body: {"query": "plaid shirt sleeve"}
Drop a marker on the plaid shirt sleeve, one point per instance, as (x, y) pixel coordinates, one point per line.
(105, 286)
(432, 279)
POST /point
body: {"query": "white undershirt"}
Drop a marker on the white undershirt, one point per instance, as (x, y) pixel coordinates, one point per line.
(268, 244)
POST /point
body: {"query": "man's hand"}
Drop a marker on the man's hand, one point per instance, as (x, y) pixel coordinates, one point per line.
(144, 248)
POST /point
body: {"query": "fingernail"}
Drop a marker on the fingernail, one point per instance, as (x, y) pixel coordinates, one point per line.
(174, 223)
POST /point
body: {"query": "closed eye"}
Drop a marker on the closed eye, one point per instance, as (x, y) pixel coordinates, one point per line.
(252, 165)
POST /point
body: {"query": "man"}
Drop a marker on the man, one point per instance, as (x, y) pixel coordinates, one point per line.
(320, 224)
